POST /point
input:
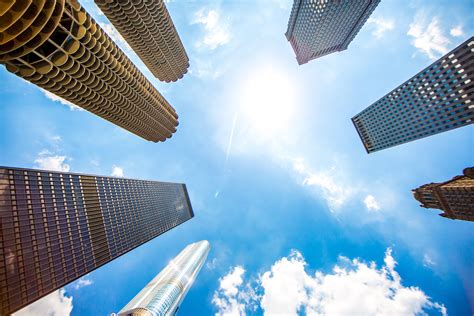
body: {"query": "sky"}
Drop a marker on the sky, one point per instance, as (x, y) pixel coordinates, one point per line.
(301, 220)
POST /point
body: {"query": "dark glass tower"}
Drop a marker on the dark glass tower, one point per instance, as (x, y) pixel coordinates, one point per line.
(321, 27)
(437, 99)
(455, 197)
(56, 227)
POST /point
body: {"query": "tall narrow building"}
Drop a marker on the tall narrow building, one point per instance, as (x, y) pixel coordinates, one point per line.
(321, 27)
(56, 45)
(455, 197)
(164, 294)
(56, 227)
(437, 99)
(148, 29)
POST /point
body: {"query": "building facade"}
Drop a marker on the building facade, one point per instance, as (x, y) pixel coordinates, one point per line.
(164, 294)
(148, 29)
(57, 46)
(437, 99)
(320, 27)
(56, 227)
(455, 197)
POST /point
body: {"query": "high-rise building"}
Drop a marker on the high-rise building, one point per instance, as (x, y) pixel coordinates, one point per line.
(437, 99)
(148, 29)
(164, 294)
(56, 227)
(321, 27)
(59, 47)
(455, 197)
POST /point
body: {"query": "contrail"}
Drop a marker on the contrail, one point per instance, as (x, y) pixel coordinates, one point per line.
(229, 146)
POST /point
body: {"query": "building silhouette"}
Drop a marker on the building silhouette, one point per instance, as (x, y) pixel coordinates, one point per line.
(148, 29)
(60, 48)
(57, 227)
(437, 99)
(455, 197)
(164, 294)
(320, 27)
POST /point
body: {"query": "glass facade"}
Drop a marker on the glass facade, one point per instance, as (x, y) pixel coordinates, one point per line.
(56, 227)
(437, 99)
(317, 28)
(163, 295)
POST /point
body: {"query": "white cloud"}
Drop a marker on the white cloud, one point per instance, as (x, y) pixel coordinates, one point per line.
(283, 4)
(380, 26)
(216, 31)
(204, 69)
(328, 183)
(56, 98)
(285, 286)
(117, 171)
(428, 261)
(48, 161)
(457, 31)
(353, 287)
(227, 298)
(429, 39)
(371, 203)
(55, 138)
(82, 282)
(211, 264)
(115, 35)
(54, 304)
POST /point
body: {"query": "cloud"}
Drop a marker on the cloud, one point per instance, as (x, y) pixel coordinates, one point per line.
(117, 171)
(115, 35)
(457, 31)
(428, 261)
(216, 31)
(56, 98)
(371, 203)
(211, 264)
(55, 138)
(48, 161)
(353, 287)
(283, 4)
(54, 304)
(429, 39)
(205, 68)
(380, 26)
(227, 298)
(82, 282)
(327, 182)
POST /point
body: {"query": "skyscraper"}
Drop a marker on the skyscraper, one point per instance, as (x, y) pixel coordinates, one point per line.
(148, 29)
(164, 294)
(437, 99)
(56, 227)
(59, 47)
(321, 27)
(455, 197)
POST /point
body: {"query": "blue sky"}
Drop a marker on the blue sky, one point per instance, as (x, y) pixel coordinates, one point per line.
(299, 217)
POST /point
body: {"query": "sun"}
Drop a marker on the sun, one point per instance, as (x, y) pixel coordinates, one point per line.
(268, 102)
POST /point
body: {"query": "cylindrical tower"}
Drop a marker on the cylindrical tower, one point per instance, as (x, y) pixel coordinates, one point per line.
(56, 45)
(163, 295)
(148, 29)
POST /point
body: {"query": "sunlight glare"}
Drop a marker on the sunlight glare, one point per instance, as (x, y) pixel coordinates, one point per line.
(268, 102)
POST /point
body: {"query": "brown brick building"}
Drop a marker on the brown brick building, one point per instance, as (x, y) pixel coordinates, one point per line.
(455, 197)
